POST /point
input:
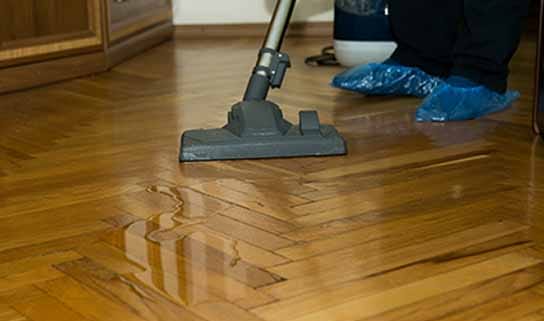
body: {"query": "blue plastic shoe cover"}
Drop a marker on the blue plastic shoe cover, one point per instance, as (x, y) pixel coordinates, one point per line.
(388, 78)
(460, 99)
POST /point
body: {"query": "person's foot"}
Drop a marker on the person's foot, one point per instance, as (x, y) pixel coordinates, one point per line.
(461, 99)
(388, 78)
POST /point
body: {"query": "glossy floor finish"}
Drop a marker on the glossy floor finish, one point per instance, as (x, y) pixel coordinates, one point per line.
(98, 221)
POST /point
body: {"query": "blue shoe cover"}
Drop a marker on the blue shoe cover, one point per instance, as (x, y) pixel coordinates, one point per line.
(388, 78)
(459, 99)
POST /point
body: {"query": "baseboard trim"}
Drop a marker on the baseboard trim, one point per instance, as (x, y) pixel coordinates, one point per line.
(297, 29)
(137, 44)
(50, 71)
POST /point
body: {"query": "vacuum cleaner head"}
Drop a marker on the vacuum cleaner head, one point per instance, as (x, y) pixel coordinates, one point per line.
(256, 127)
(256, 130)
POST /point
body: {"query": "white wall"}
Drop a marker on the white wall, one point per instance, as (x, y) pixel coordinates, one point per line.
(245, 11)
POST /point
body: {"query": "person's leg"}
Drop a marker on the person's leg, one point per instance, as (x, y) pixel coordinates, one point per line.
(489, 38)
(426, 33)
(490, 35)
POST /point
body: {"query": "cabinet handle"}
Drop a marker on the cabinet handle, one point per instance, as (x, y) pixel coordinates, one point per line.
(120, 1)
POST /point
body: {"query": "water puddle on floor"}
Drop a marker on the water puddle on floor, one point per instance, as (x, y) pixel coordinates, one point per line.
(179, 262)
(172, 219)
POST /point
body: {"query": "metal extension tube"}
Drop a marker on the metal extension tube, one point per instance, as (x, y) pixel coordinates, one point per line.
(271, 63)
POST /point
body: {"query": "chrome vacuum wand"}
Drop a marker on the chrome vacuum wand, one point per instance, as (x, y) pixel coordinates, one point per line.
(272, 64)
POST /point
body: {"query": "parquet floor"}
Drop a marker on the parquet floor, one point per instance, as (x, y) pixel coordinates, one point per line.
(98, 221)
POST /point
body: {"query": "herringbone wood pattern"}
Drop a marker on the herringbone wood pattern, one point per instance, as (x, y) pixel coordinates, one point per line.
(98, 221)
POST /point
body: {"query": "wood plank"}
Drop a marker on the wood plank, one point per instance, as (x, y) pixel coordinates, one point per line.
(417, 159)
(110, 257)
(224, 311)
(258, 220)
(401, 230)
(226, 276)
(329, 188)
(86, 302)
(47, 308)
(251, 197)
(54, 246)
(465, 299)
(256, 236)
(383, 197)
(514, 307)
(232, 247)
(20, 295)
(385, 216)
(29, 277)
(124, 291)
(331, 261)
(8, 314)
(351, 264)
(163, 202)
(388, 300)
(78, 194)
(27, 264)
(319, 299)
(69, 221)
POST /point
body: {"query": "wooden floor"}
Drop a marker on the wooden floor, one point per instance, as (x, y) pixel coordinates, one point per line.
(98, 221)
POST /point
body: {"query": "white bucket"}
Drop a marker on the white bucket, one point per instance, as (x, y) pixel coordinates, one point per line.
(354, 53)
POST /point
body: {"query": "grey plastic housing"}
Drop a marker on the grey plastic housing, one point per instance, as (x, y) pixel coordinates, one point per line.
(257, 130)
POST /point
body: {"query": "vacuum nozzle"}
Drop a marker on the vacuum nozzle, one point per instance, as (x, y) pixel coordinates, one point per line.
(256, 130)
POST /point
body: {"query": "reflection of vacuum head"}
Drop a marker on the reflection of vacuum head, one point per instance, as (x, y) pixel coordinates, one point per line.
(256, 128)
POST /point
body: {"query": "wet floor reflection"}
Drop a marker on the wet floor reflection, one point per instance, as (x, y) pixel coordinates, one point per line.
(178, 260)
(535, 188)
(441, 134)
(179, 215)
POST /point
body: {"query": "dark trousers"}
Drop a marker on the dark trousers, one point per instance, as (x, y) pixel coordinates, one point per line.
(475, 39)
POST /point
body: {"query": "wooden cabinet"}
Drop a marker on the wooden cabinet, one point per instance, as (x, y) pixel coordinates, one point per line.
(134, 25)
(39, 29)
(127, 17)
(43, 41)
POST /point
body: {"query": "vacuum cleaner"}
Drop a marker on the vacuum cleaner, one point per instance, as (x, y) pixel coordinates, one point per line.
(362, 33)
(256, 128)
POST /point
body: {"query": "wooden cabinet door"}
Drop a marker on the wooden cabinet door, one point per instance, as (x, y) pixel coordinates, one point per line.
(128, 17)
(35, 29)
